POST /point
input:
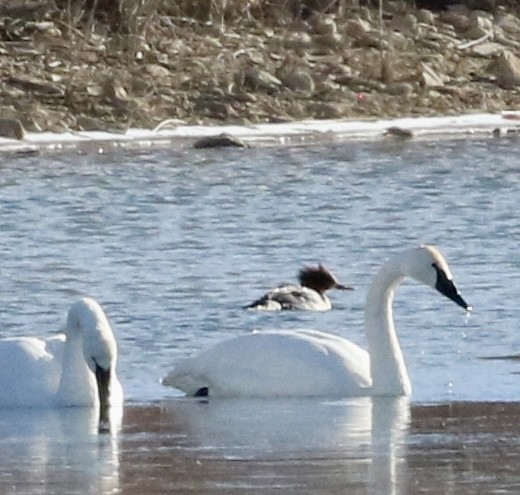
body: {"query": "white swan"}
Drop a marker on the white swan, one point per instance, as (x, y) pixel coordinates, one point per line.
(312, 363)
(310, 295)
(77, 368)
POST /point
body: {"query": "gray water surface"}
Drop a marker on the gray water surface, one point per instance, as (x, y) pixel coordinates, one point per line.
(172, 244)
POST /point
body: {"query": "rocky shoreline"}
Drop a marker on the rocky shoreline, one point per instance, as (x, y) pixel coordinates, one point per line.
(416, 63)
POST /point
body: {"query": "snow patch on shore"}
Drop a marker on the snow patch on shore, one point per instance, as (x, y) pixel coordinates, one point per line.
(278, 134)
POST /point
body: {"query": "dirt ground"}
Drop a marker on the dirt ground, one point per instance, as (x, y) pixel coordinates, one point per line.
(58, 76)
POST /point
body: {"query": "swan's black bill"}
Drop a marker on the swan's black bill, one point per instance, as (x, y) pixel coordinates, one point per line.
(103, 385)
(447, 288)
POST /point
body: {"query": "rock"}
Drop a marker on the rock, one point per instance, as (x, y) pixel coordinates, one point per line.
(297, 40)
(372, 40)
(94, 89)
(298, 80)
(12, 129)
(446, 30)
(364, 13)
(438, 41)
(112, 89)
(480, 26)
(487, 49)
(399, 41)
(37, 85)
(388, 71)
(398, 132)
(399, 89)
(405, 24)
(215, 109)
(156, 71)
(333, 40)
(426, 16)
(245, 98)
(9, 112)
(327, 86)
(476, 32)
(484, 5)
(221, 141)
(86, 123)
(358, 84)
(482, 20)
(459, 20)
(511, 115)
(323, 25)
(506, 69)
(357, 28)
(328, 110)
(258, 79)
(509, 23)
(46, 27)
(430, 78)
(46, 117)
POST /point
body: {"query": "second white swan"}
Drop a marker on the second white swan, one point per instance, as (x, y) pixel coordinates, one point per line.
(73, 369)
(311, 363)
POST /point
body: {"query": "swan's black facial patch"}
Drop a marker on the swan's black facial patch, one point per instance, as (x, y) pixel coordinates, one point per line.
(447, 288)
(202, 392)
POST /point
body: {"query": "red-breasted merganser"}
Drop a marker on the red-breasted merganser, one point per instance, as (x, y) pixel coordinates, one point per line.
(309, 295)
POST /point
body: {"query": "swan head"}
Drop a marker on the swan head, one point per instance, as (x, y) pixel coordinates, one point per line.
(320, 279)
(87, 319)
(428, 265)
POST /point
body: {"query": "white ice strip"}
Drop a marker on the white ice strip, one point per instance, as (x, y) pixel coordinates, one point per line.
(301, 132)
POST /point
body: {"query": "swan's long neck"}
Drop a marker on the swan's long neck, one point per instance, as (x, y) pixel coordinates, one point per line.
(387, 365)
(77, 383)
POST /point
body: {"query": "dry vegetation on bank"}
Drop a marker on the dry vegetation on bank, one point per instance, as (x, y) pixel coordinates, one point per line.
(107, 64)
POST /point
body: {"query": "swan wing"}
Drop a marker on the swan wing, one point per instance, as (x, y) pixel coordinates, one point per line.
(30, 370)
(276, 363)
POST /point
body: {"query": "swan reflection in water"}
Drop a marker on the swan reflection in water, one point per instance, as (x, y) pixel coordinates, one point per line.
(325, 444)
(58, 447)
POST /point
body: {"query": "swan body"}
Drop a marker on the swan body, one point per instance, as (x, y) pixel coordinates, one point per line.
(308, 296)
(73, 369)
(267, 364)
(311, 363)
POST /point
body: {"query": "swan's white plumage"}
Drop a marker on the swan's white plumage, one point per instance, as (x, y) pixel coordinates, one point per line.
(311, 363)
(275, 363)
(30, 368)
(56, 371)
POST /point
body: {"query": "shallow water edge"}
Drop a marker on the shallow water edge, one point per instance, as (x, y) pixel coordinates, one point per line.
(359, 446)
(447, 448)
